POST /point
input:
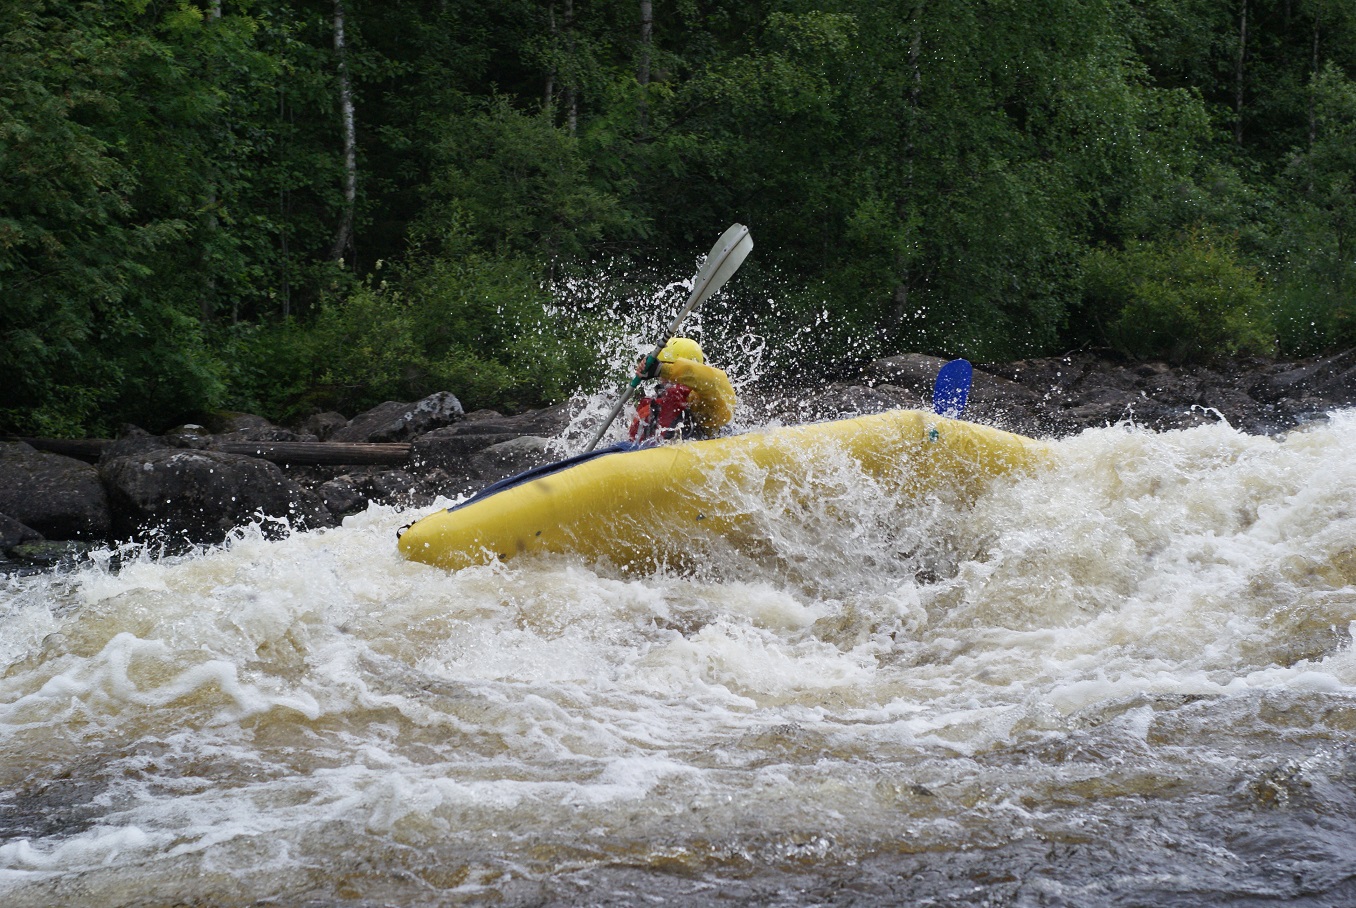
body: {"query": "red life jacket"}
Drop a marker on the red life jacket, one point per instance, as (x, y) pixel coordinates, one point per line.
(661, 415)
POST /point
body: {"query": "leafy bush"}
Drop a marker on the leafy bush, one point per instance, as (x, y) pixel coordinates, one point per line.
(1182, 300)
(452, 320)
(1313, 316)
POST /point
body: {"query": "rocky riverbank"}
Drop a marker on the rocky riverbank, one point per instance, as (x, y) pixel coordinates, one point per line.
(196, 484)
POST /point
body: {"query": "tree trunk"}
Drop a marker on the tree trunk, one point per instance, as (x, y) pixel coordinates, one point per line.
(900, 311)
(343, 236)
(571, 92)
(549, 95)
(1313, 82)
(207, 304)
(643, 67)
(1238, 71)
(284, 215)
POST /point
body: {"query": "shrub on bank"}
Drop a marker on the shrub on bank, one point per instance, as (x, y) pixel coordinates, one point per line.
(1181, 299)
(474, 325)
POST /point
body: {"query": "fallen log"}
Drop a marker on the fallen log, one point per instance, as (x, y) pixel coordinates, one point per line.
(86, 449)
(304, 453)
(322, 453)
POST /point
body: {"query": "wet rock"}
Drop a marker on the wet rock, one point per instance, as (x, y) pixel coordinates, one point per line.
(508, 458)
(395, 421)
(224, 422)
(1063, 395)
(324, 425)
(50, 553)
(391, 486)
(1329, 378)
(57, 496)
(1006, 404)
(200, 496)
(13, 533)
(842, 400)
(343, 495)
(191, 436)
(913, 372)
(1101, 406)
(451, 448)
(134, 440)
(263, 434)
(352, 492)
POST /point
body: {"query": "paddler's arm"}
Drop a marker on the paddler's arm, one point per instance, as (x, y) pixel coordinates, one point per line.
(715, 396)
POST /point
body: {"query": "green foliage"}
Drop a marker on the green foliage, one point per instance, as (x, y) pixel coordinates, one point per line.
(953, 176)
(90, 335)
(1311, 247)
(521, 183)
(1185, 299)
(1313, 317)
(453, 319)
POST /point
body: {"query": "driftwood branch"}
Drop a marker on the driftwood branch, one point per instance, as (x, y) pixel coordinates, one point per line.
(309, 453)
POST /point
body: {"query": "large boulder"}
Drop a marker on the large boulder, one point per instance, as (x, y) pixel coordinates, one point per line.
(350, 493)
(57, 496)
(453, 448)
(1326, 379)
(132, 441)
(395, 421)
(509, 458)
(259, 435)
(200, 496)
(13, 533)
(324, 425)
(914, 373)
(223, 422)
(844, 399)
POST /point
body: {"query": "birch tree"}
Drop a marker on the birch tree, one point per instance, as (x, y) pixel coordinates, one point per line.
(343, 235)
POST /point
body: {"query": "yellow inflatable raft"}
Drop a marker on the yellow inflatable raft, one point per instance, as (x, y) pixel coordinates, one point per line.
(634, 506)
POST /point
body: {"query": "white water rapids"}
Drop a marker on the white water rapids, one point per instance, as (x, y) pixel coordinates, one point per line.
(1127, 679)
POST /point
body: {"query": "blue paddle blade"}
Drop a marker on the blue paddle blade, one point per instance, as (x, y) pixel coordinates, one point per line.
(952, 388)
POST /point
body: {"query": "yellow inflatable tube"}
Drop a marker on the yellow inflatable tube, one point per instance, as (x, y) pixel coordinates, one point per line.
(629, 506)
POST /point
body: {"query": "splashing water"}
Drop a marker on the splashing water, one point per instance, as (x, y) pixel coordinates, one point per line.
(1125, 679)
(611, 311)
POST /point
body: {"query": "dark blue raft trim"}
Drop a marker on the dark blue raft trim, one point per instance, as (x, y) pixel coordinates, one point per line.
(547, 469)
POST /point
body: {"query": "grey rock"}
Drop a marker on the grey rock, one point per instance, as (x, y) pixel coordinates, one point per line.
(508, 458)
(59, 497)
(343, 495)
(451, 448)
(200, 496)
(391, 486)
(191, 436)
(841, 400)
(913, 372)
(49, 553)
(1319, 376)
(13, 533)
(395, 421)
(226, 421)
(324, 425)
(133, 440)
(263, 434)
(352, 492)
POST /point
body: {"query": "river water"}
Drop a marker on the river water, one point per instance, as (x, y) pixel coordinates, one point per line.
(1125, 679)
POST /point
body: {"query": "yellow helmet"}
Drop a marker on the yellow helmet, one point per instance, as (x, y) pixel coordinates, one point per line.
(682, 348)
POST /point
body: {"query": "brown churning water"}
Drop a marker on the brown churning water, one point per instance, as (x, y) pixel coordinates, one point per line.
(1127, 679)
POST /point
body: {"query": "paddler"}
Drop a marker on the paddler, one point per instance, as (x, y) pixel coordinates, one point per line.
(692, 399)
